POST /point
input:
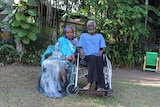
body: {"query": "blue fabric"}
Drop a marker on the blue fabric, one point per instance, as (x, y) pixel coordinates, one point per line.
(66, 47)
(49, 50)
(94, 43)
(50, 82)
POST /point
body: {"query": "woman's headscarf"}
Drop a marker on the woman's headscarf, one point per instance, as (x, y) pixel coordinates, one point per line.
(68, 27)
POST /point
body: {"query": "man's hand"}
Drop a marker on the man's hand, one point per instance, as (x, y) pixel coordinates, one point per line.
(82, 56)
(100, 53)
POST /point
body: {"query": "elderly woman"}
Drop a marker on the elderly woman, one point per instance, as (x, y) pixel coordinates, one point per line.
(92, 46)
(53, 79)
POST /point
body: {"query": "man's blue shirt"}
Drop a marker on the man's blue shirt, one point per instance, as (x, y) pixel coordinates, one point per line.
(91, 44)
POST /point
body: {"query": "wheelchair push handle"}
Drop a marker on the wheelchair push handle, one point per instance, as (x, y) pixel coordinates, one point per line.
(80, 52)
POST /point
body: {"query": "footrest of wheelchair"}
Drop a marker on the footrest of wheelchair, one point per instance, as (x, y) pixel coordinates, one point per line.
(81, 89)
(105, 90)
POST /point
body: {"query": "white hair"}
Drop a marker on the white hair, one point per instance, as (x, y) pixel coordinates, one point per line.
(91, 21)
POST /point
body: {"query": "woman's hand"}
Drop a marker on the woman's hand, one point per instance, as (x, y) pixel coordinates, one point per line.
(71, 58)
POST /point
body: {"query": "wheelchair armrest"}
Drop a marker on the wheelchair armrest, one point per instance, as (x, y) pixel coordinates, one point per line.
(83, 62)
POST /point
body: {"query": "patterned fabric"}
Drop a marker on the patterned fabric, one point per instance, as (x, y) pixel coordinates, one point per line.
(50, 83)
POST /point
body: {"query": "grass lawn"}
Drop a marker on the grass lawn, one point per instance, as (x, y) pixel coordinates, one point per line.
(18, 88)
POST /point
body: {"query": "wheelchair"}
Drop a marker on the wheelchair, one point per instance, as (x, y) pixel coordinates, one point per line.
(76, 71)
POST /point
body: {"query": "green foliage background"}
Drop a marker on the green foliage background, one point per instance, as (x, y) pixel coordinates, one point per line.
(120, 21)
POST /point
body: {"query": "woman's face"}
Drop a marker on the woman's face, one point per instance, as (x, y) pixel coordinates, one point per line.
(69, 33)
(91, 28)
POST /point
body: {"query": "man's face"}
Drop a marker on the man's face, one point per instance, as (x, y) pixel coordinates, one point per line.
(91, 28)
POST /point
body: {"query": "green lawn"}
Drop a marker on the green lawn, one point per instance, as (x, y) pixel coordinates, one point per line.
(19, 89)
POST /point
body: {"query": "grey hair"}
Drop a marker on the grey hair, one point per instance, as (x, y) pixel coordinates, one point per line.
(91, 21)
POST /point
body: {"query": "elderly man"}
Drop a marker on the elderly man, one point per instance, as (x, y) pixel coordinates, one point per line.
(92, 46)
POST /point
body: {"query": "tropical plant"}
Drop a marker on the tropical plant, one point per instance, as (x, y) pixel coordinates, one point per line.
(127, 29)
(121, 23)
(7, 53)
(21, 20)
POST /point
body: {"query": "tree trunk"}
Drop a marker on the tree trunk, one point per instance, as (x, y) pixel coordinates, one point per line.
(146, 3)
(19, 46)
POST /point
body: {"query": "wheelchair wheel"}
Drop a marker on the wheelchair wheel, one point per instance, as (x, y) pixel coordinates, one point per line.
(71, 89)
(105, 94)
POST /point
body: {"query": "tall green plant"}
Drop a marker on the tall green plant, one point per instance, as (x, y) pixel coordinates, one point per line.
(21, 21)
(121, 22)
(128, 30)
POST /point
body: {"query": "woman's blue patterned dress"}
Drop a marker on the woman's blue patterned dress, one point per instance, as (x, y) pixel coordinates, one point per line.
(49, 82)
